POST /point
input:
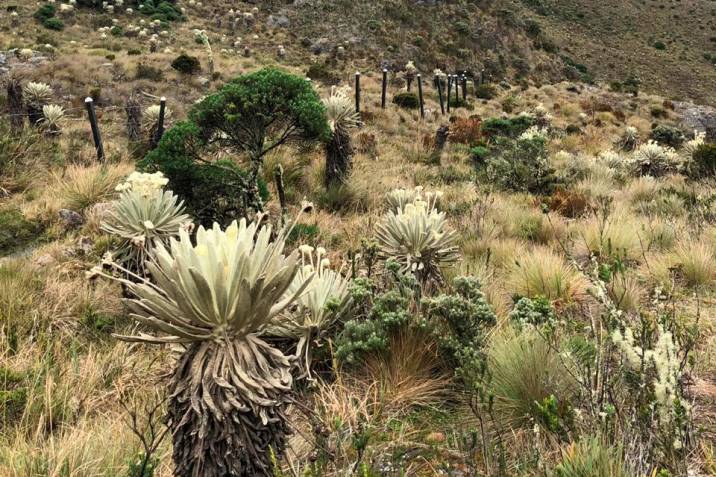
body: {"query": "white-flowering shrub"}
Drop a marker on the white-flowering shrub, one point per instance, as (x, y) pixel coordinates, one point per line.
(663, 364)
(535, 132)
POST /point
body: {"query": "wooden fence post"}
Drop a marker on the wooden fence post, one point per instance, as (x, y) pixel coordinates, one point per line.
(160, 122)
(357, 92)
(464, 88)
(449, 91)
(89, 104)
(385, 89)
(457, 90)
(420, 95)
(439, 86)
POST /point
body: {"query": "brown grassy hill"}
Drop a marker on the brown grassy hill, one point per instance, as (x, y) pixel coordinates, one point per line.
(669, 45)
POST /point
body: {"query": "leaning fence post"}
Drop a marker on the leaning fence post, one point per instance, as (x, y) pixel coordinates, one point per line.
(357, 92)
(385, 88)
(439, 86)
(89, 104)
(160, 122)
(449, 91)
(420, 95)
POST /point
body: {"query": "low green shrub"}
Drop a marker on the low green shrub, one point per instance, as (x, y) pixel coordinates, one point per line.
(407, 100)
(704, 159)
(512, 127)
(212, 191)
(186, 64)
(376, 315)
(521, 165)
(667, 136)
(45, 11)
(459, 322)
(478, 155)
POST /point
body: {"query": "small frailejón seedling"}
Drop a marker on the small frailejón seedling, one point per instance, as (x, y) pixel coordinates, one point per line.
(52, 115)
(228, 390)
(144, 216)
(416, 235)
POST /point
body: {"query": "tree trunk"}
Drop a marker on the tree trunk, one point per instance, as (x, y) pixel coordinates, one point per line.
(34, 114)
(338, 158)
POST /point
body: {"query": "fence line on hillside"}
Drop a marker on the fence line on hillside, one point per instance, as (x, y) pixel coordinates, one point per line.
(444, 86)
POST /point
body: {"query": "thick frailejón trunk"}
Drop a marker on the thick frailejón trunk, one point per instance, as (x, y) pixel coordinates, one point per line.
(14, 103)
(226, 408)
(34, 114)
(338, 158)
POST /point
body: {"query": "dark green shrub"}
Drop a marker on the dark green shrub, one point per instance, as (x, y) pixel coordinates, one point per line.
(459, 322)
(258, 112)
(660, 45)
(45, 12)
(704, 159)
(463, 28)
(478, 155)
(521, 165)
(186, 64)
(486, 91)
(512, 128)
(117, 30)
(667, 135)
(377, 315)
(213, 191)
(407, 100)
(134, 52)
(573, 129)
(251, 115)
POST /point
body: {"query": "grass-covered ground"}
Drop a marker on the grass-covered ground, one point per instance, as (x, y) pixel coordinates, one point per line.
(592, 238)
